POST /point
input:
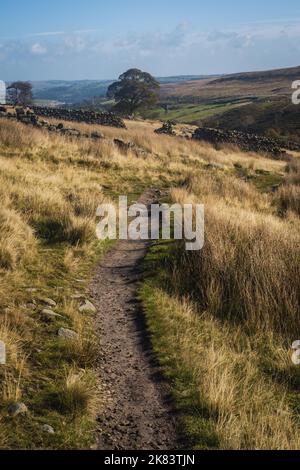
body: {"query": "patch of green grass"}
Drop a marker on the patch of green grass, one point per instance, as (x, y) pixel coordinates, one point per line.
(192, 113)
(263, 180)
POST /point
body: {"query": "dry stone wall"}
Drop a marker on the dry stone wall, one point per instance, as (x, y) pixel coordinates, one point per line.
(245, 141)
(79, 115)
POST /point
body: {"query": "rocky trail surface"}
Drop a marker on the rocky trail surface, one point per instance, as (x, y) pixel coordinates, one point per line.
(138, 413)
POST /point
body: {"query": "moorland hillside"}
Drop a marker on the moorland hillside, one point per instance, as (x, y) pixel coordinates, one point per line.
(231, 309)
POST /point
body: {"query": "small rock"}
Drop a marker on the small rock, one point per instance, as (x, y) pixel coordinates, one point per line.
(50, 313)
(97, 135)
(50, 302)
(17, 409)
(47, 429)
(87, 307)
(67, 334)
(32, 306)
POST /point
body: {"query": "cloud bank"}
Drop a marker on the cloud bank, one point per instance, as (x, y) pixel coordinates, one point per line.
(183, 50)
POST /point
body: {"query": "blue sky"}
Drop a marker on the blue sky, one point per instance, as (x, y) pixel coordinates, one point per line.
(96, 39)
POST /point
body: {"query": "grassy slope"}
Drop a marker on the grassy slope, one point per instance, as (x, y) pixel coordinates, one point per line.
(191, 113)
(50, 186)
(234, 389)
(238, 86)
(277, 118)
(258, 102)
(232, 311)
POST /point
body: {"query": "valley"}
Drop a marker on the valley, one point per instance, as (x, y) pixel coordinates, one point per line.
(257, 102)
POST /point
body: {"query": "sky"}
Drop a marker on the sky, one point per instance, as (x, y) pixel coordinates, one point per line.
(97, 39)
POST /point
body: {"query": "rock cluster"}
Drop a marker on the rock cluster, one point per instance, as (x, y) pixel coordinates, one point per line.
(247, 142)
(292, 146)
(29, 117)
(167, 128)
(79, 115)
(2, 111)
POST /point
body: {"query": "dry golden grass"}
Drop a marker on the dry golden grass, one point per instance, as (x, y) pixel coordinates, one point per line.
(16, 239)
(234, 337)
(288, 199)
(288, 196)
(249, 269)
(77, 394)
(219, 370)
(49, 193)
(244, 284)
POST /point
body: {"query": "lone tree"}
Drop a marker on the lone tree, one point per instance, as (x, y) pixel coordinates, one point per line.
(20, 93)
(135, 90)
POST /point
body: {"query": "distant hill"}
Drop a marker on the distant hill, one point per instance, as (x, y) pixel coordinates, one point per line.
(184, 78)
(239, 86)
(192, 89)
(69, 92)
(77, 92)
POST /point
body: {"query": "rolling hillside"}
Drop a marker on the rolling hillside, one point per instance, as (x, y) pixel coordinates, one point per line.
(257, 102)
(275, 118)
(234, 87)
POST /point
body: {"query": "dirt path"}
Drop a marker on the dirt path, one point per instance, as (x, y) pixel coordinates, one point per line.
(139, 413)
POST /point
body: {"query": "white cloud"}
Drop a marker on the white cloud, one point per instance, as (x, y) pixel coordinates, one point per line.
(38, 49)
(62, 33)
(45, 34)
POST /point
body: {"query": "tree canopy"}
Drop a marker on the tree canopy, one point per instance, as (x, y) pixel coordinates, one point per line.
(20, 93)
(135, 90)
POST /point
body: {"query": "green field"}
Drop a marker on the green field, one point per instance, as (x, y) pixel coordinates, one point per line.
(190, 114)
